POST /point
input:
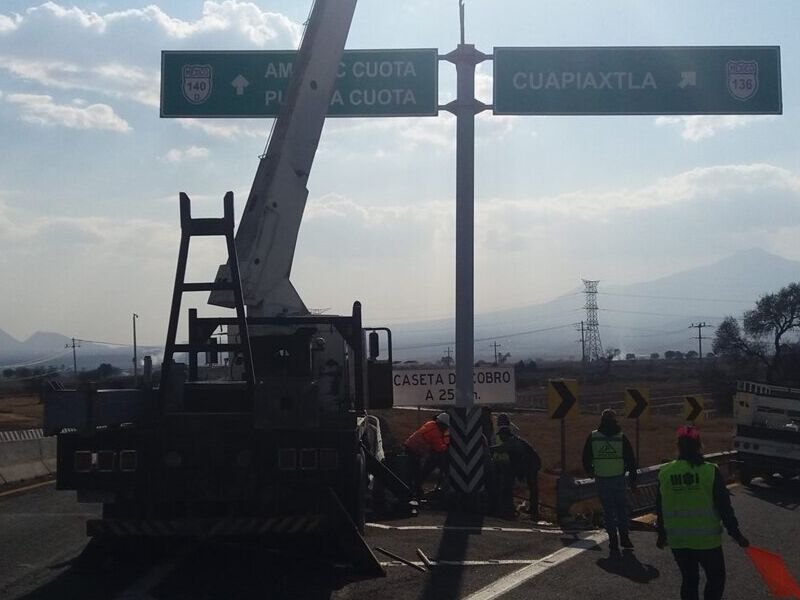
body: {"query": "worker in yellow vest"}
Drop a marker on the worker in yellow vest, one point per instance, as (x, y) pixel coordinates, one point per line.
(692, 505)
(607, 455)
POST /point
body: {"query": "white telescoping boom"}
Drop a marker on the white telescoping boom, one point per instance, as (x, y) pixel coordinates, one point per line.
(267, 233)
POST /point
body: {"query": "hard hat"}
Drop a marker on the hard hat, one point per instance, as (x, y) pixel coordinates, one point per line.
(608, 415)
(688, 431)
(443, 419)
(503, 420)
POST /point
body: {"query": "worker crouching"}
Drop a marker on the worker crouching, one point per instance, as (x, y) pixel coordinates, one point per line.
(515, 460)
(426, 449)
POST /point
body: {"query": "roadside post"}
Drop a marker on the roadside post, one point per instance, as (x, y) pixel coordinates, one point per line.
(562, 403)
(637, 406)
(693, 409)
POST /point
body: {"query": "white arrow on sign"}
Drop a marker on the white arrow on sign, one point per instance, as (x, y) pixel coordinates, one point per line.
(240, 83)
(688, 78)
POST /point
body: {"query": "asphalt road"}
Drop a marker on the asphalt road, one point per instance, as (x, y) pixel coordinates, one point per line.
(44, 555)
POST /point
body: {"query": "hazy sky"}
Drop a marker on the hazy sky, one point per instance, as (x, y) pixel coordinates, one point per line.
(90, 175)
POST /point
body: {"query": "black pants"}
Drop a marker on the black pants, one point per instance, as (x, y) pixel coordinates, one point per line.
(713, 563)
(420, 469)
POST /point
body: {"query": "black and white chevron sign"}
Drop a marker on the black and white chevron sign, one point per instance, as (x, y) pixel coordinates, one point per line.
(466, 449)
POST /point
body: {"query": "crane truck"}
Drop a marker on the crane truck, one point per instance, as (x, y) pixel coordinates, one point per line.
(280, 449)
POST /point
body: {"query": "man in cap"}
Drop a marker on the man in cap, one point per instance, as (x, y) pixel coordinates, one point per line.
(429, 443)
(607, 454)
(692, 505)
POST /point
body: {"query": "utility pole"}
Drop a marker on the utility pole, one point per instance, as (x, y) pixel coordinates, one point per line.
(135, 359)
(448, 359)
(496, 346)
(74, 358)
(699, 337)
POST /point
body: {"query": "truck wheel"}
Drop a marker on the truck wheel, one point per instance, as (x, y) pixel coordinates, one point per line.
(745, 475)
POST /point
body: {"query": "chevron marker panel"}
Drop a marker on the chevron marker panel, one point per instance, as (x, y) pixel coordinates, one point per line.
(466, 452)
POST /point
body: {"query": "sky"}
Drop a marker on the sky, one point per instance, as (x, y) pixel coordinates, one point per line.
(90, 175)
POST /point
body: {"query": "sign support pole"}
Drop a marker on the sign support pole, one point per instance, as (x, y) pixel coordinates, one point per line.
(563, 447)
(465, 57)
(638, 456)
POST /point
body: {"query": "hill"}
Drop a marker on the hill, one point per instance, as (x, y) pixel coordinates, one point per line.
(640, 318)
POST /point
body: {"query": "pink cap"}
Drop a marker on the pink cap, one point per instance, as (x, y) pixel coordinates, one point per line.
(688, 431)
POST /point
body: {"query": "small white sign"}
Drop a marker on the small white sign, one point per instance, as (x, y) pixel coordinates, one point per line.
(437, 387)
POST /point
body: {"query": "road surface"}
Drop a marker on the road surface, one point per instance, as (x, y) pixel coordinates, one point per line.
(44, 555)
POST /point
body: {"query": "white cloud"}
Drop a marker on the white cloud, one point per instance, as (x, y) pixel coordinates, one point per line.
(191, 153)
(244, 18)
(8, 24)
(226, 130)
(700, 127)
(42, 110)
(72, 48)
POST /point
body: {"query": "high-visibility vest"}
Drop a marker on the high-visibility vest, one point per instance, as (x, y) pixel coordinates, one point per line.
(498, 456)
(607, 455)
(687, 505)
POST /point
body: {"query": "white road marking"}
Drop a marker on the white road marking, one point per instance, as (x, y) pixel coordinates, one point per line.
(517, 578)
(476, 529)
(467, 563)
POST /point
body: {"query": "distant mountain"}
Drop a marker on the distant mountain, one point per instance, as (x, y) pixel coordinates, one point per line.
(640, 318)
(47, 349)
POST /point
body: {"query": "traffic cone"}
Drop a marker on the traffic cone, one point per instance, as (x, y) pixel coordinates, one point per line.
(774, 573)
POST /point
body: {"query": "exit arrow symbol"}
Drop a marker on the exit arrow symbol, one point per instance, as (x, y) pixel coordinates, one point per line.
(688, 78)
(240, 83)
(696, 409)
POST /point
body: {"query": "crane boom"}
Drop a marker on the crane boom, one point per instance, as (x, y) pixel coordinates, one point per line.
(267, 233)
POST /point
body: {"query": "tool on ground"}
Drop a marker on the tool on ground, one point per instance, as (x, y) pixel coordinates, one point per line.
(401, 559)
(424, 558)
(774, 573)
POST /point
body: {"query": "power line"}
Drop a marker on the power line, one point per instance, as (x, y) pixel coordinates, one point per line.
(679, 298)
(486, 339)
(35, 362)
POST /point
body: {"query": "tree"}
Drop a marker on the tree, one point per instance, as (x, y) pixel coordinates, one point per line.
(654, 356)
(764, 332)
(8, 372)
(692, 354)
(669, 354)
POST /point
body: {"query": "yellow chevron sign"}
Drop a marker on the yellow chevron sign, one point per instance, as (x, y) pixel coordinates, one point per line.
(562, 398)
(693, 408)
(637, 403)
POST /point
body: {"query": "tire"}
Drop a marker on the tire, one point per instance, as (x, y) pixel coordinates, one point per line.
(746, 475)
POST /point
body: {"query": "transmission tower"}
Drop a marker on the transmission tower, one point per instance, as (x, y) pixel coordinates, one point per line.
(594, 347)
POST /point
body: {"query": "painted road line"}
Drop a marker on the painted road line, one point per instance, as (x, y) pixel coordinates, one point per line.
(517, 578)
(467, 563)
(19, 490)
(468, 529)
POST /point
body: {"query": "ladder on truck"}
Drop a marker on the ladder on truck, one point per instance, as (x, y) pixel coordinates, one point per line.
(191, 227)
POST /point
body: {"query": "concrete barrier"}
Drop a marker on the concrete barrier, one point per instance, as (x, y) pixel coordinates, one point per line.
(27, 459)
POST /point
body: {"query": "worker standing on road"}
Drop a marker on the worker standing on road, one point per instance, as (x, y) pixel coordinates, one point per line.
(429, 443)
(607, 454)
(692, 505)
(523, 463)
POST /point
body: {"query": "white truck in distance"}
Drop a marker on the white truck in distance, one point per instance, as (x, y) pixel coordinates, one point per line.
(767, 430)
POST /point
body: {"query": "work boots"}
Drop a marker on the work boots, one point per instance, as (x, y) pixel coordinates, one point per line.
(625, 540)
(613, 541)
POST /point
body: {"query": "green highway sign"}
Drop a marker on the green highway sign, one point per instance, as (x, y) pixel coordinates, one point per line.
(371, 83)
(637, 81)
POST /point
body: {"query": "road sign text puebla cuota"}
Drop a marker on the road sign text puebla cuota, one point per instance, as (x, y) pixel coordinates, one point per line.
(370, 83)
(637, 80)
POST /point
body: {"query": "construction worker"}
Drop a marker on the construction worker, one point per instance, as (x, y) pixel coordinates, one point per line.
(523, 463)
(607, 454)
(429, 443)
(692, 501)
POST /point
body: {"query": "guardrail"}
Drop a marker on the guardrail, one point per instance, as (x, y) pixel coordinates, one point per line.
(642, 500)
(26, 454)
